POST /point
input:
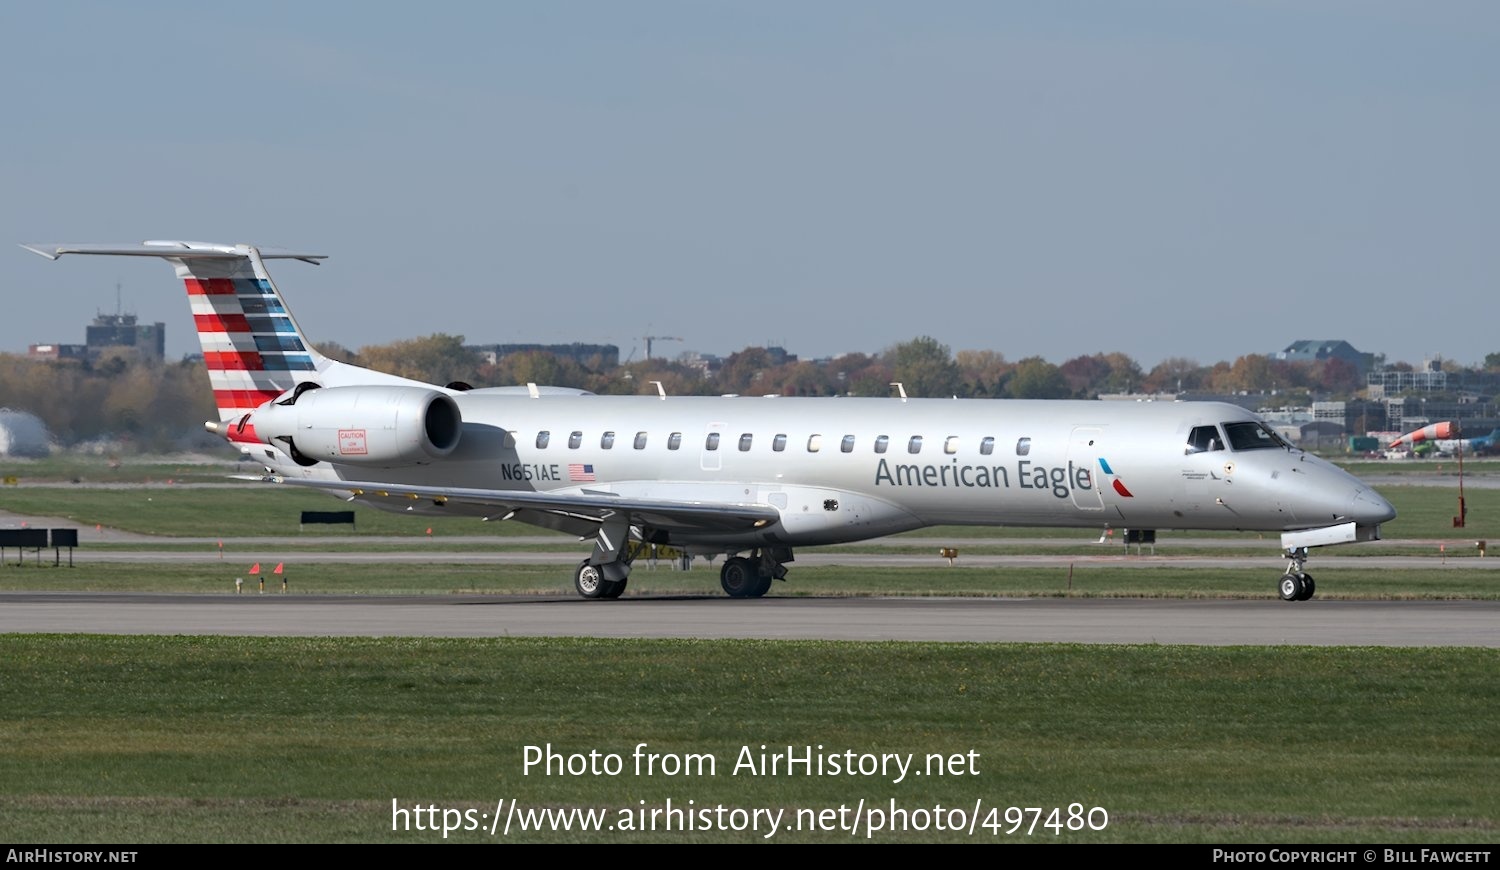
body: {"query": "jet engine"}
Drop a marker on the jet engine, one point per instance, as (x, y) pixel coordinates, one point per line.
(381, 426)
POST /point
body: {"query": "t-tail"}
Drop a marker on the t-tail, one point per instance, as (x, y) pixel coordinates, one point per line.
(252, 346)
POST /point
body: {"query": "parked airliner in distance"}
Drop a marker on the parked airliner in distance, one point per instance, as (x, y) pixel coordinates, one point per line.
(749, 478)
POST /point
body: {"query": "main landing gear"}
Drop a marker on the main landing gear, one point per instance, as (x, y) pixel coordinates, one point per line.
(1296, 584)
(603, 574)
(590, 582)
(751, 578)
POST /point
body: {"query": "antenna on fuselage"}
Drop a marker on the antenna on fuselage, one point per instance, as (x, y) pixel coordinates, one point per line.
(900, 388)
(660, 390)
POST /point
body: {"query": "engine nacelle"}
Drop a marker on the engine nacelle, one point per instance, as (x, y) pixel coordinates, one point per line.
(383, 426)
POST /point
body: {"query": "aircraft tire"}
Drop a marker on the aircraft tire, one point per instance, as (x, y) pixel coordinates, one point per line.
(1308, 587)
(614, 589)
(739, 577)
(590, 582)
(762, 585)
(1290, 587)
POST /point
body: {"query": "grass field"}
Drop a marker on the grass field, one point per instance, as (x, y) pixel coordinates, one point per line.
(187, 739)
(64, 467)
(1441, 582)
(181, 739)
(255, 510)
(244, 510)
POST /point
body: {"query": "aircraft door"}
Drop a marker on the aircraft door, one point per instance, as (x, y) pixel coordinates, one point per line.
(713, 447)
(1205, 466)
(1084, 447)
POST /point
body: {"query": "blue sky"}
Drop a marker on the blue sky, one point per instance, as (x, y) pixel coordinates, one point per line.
(1159, 178)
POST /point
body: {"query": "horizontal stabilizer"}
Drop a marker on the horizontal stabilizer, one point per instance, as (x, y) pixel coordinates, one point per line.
(172, 249)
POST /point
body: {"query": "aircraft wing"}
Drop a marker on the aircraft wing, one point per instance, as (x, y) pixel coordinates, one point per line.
(575, 512)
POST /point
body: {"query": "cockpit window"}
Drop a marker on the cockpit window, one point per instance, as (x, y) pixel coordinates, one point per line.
(1204, 438)
(1252, 436)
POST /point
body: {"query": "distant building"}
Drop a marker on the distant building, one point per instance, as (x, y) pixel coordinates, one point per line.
(1430, 378)
(110, 331)
(58, 351)
(597, 357)
(777, 355)
(1310, 351)
(1413, 412)
(706, 364)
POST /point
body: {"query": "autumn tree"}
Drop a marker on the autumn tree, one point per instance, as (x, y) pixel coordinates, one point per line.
(436, 359)
(742, 369)
(1035, 378)
(1175, 374)
(1084, 373)
(861, 374)
(984, 373)
(536, 367)
(925, 367)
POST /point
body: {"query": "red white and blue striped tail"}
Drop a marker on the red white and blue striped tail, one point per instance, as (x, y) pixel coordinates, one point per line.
(252, 346)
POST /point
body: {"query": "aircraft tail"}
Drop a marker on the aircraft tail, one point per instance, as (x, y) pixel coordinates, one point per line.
(252, 346)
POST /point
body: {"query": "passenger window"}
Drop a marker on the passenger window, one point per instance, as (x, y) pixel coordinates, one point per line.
(814, 443)
(987, 446)
(640, 440)
(745, 440)
(674, 441)
(607, 440)
(711, 442)
(881, 443)
(914, 445)
(541, 440)
(1023, 446)
(778, 443)
(950, 444)
(575, 440)
(847, 445)
(1202, 439)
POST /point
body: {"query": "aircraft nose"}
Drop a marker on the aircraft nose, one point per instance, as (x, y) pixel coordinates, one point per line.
(1371, 508)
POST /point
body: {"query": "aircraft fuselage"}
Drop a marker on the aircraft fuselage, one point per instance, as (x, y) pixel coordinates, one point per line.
(847, 469)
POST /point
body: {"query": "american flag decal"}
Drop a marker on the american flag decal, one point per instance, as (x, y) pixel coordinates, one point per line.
(580, 472)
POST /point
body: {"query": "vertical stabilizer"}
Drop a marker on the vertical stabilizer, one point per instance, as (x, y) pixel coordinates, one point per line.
(252, 346)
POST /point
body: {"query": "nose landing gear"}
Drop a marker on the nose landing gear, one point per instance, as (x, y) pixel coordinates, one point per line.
(1296, 584)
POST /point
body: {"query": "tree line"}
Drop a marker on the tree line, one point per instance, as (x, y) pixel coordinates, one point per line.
(164, 404)
(924, 366)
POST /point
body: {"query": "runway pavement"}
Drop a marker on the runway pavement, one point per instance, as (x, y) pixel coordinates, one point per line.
(1126, 621)
(1217, 622)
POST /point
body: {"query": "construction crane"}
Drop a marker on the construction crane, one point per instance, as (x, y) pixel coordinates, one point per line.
(648, 339)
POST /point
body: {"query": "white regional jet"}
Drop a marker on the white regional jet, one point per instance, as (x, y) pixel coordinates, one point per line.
(751, 478)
